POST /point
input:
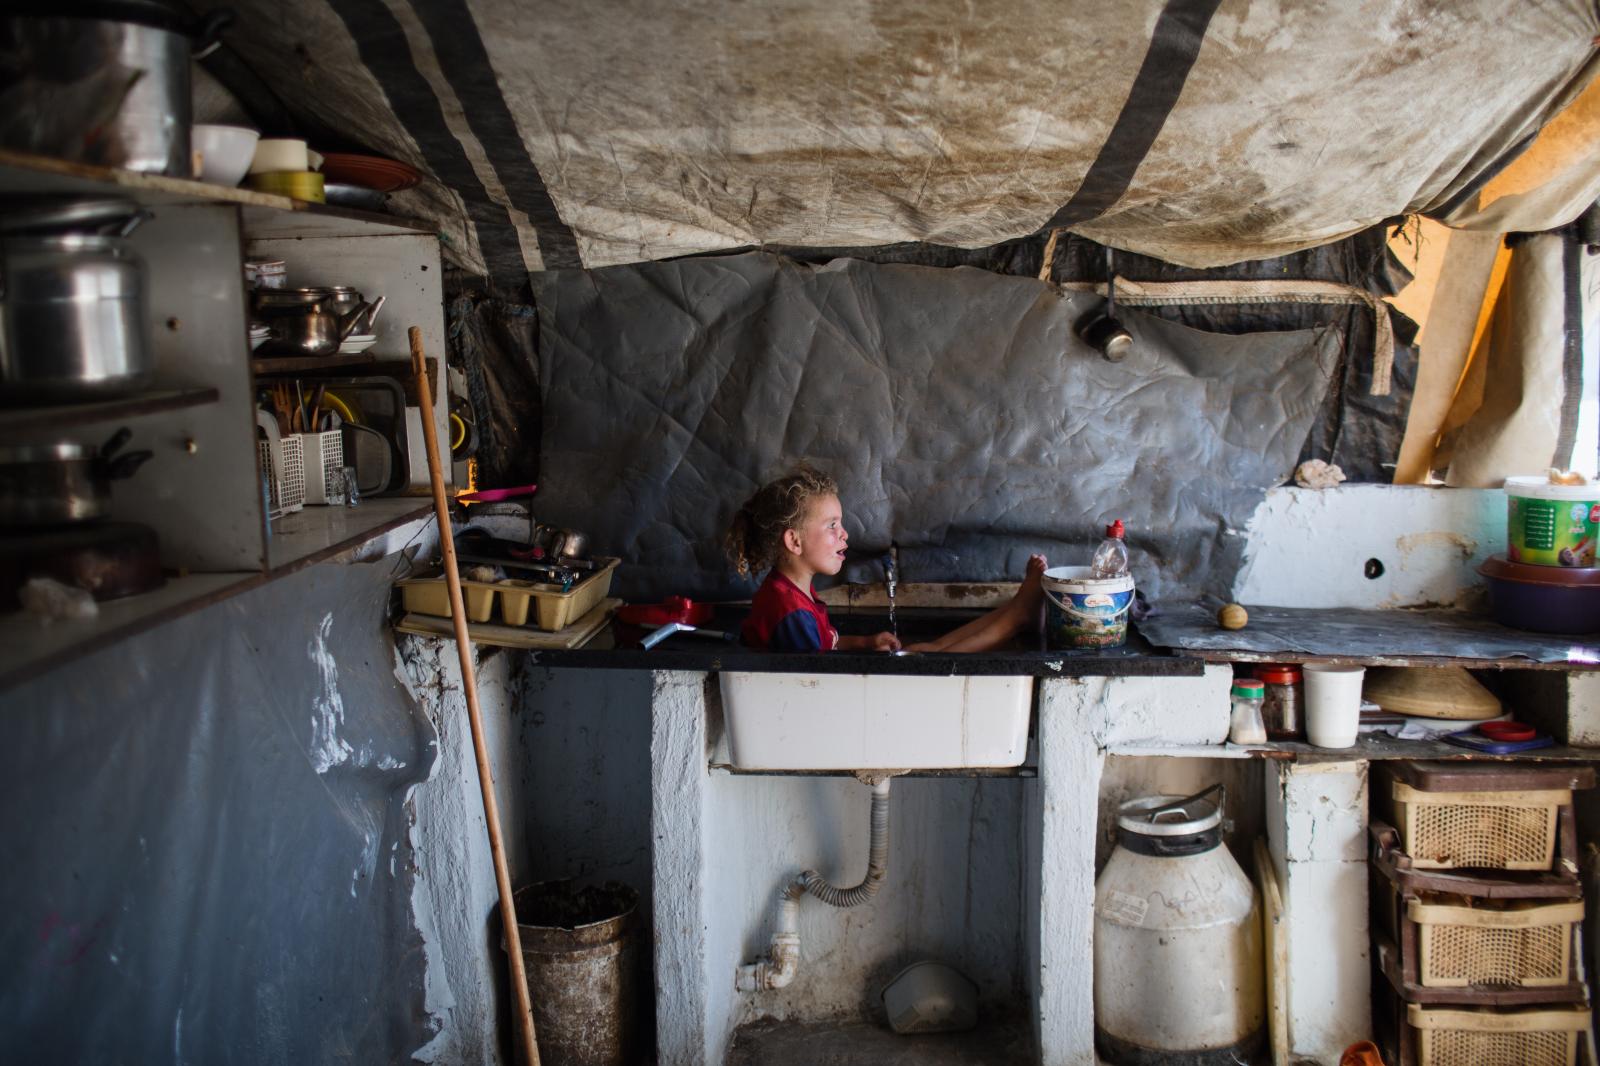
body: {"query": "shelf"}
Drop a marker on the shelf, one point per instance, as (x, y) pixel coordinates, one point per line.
(729, 770)
(26, 421)
(321, 534)
(264, 214)
(1369, 746)
(1396, 637)
(298, 364)
(315, 534)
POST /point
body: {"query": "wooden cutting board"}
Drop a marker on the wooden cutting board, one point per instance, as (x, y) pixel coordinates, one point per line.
(505, 636)
(1430, 692)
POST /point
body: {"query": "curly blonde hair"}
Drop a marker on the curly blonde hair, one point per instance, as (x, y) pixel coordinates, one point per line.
(754, 540)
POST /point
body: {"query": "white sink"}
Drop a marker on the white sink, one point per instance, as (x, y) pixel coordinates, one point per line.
(874, 721)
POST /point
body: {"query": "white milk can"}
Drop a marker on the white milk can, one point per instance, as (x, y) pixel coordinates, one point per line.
(1177, 940)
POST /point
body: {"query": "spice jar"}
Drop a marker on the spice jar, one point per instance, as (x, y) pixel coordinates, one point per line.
(1244, 720)
(1282, 701)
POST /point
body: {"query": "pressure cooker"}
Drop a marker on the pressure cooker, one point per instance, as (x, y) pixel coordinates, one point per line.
(102, 81)
(72, 302)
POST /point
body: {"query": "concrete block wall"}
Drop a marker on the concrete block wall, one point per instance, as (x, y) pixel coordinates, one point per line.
(1316, 815)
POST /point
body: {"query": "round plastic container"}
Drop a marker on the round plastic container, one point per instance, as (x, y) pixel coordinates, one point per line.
(1551, 525)
(1333, 704)
(1084, 611)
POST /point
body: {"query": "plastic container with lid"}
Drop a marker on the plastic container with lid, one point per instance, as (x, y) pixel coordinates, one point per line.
(1282, 700)
(1551, 525)
(1245, 724)
(1176, 983)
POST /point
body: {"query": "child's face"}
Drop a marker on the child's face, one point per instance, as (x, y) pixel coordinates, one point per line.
(820, 540)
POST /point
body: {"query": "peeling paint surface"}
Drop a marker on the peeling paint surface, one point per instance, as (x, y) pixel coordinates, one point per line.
(1311, 547)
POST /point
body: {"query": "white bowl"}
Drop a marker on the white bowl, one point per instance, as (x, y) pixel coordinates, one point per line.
(357, 343)
(225, 152)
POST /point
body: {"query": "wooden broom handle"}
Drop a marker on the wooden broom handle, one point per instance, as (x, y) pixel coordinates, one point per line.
(469, 685)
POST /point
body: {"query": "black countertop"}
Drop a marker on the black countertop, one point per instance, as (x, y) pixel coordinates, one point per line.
(617, 648)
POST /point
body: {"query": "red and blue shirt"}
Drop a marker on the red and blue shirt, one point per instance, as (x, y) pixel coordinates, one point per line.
(785, 618)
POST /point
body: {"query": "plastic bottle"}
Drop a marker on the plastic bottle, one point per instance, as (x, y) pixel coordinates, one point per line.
(1244, 722)
(1111, 558)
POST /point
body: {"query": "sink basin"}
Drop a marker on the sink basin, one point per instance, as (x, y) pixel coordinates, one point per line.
(874, 721)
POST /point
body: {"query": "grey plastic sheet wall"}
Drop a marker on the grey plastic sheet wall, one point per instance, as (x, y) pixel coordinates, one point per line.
(959, 411)
(206, 832)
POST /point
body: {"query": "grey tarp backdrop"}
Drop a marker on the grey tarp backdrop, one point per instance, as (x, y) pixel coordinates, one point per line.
(1198, 132)
(206, 832)
(959, 411)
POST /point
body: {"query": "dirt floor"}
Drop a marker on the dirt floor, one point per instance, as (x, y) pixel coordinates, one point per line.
(862, 1044)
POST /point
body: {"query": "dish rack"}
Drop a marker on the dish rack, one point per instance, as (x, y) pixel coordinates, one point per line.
(521, 603)
(1478, 916)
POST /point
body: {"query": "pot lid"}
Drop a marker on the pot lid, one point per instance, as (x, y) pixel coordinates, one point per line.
(1170, 816)
(160, 14)
(65, 214)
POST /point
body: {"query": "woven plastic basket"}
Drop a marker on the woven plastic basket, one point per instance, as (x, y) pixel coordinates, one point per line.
(1489, 830)
(1527, 944)
(1548, 1037)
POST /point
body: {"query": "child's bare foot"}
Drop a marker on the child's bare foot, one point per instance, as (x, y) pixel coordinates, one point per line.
(1035, 569)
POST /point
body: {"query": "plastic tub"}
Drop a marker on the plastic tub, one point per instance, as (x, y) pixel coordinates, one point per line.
(1084, 611)
(1551, 525)
(1333, 704)
(1542, 599)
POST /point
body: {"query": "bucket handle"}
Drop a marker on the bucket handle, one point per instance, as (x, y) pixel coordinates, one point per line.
(1071, 610)
(1182, 804)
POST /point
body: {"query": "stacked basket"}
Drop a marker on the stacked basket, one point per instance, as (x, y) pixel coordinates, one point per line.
(1478, 915)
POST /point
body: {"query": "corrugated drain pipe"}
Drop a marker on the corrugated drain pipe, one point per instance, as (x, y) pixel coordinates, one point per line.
(778, 968)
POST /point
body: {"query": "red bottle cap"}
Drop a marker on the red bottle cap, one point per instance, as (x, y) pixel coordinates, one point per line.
(1275, 674)
(1115, 529)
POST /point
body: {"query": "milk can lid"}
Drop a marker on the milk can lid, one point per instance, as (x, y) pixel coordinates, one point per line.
(1171, 816)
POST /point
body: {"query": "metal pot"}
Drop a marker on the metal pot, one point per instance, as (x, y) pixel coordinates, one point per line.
(561, 543)
(308, 321)
(51, 484)
(72, 317)
(104, 81)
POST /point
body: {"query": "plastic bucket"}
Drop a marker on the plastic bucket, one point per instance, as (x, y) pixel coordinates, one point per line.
(1333, 704)
(1551, 525)
(1084, 611)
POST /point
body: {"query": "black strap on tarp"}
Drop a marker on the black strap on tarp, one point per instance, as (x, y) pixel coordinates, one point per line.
(1174, 47)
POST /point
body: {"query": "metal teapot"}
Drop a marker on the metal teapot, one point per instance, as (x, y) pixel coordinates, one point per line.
(307, 322)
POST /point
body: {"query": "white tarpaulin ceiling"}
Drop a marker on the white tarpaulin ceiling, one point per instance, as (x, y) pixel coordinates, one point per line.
(1201, 132)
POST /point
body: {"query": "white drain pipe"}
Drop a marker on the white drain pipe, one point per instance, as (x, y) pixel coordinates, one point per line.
(778, 968)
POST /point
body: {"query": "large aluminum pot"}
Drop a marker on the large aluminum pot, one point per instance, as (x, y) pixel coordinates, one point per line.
(102, 81)
(51, 484)
(72, 317)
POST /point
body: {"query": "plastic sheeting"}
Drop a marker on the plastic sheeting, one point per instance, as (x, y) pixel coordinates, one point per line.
(1388, 635)
(206, 832)
(959, 411)
(1190, 130)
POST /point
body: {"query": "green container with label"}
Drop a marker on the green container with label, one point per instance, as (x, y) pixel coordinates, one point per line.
(1551, 525)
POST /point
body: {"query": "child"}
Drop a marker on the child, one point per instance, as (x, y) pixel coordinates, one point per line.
(794, 529)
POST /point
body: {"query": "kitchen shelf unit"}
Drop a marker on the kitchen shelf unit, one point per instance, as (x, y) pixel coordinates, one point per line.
(201, 491)
(24, 422)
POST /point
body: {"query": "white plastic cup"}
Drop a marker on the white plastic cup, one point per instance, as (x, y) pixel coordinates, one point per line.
(1333, 704)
